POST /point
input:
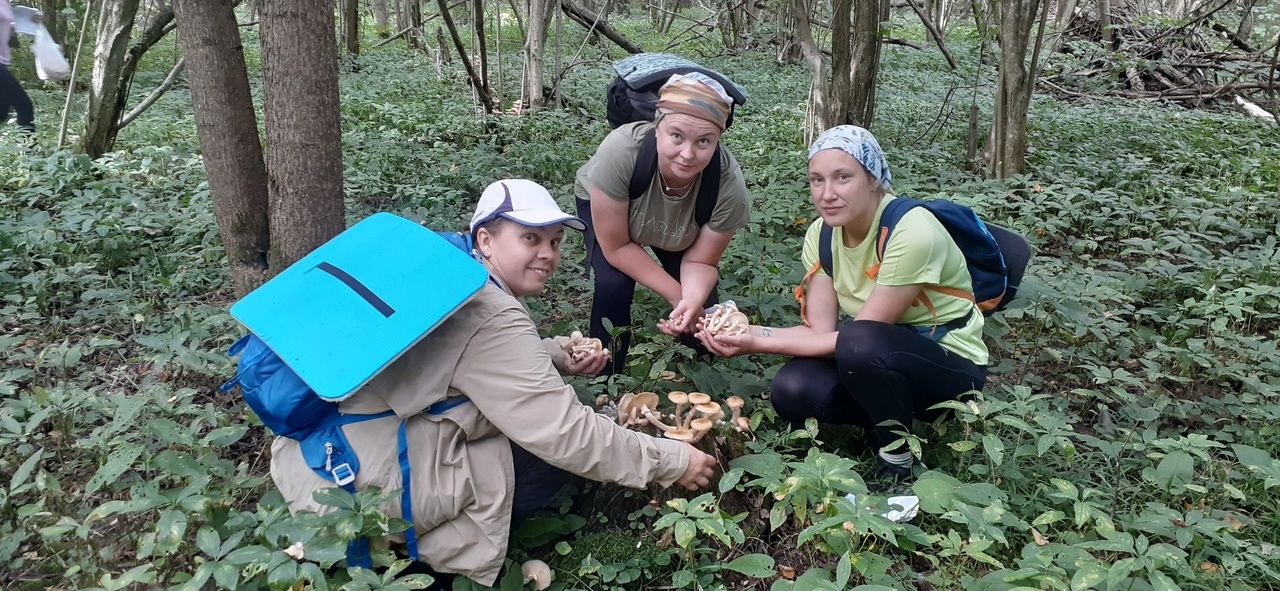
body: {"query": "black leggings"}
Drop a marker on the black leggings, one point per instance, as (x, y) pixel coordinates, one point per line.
(880, 372)
(12, 96)
(615, 290)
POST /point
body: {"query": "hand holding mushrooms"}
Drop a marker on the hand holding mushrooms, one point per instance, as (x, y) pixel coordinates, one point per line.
(584, 356)
(726, 331)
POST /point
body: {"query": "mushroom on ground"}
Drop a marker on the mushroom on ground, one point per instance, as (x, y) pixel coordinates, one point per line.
(735, 405)
(710, 410)
(538, 572)
(679, 399)
(695, 398)
(700, 427)
(632, 406)
(657, 422)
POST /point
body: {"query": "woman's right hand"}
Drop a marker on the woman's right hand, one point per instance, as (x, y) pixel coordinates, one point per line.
(700, 470)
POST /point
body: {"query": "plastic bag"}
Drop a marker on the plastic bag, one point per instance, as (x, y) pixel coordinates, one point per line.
(50, 64)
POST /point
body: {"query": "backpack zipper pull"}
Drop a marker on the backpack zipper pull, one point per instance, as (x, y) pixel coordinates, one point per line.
(328, 456)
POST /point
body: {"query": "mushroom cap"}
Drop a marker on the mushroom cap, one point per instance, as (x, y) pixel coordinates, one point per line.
(678, 397)
(680, 434)
(709, 408)
(701, 425)
(734, 401)
(699, 398)
(635, 401)
(538, 572)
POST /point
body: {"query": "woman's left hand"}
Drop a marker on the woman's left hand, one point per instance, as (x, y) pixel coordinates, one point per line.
(588, 366)
(727, 345)
(682, 319)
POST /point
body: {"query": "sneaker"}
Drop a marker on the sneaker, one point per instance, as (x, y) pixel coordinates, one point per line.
(887, 477)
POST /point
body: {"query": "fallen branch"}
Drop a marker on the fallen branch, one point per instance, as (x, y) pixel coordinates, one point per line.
(593, 23)
(155, 94)
(933, 30)
(1252, 108)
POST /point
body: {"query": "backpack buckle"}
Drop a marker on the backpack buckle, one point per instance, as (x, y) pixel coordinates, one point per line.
(343, 474)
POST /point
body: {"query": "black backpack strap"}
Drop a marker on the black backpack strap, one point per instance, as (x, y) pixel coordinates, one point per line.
(708, 190)
(646, 166)
(824, 250)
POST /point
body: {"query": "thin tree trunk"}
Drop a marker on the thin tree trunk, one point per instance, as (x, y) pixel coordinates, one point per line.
(155, 95)
(1008, 147)
(1104, 21)
(482, 48)
(303, 126)
(114, 28)
(473, 76)
(351, 25)
(534, 51)
(854, 70)
(819, 87)
(841, 64)
(228, 132)
(380, 16)
(52, 18)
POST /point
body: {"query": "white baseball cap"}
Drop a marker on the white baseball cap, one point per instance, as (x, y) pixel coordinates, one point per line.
(521, 201)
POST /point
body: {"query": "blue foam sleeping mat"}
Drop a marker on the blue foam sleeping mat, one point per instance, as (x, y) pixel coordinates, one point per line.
(341, 314)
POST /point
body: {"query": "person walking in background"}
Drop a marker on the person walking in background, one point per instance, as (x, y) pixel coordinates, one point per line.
(12, 96)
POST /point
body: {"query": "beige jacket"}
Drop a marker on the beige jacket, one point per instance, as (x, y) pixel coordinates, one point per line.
(462, 470)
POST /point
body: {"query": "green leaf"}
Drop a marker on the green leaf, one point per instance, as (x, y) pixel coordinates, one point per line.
(685, 532)
(247, 555)
(683, 578)
(1175, 469)
(20, 475)
(333, 496)
(208, 540)
(1088, 576)
(752, 565)
(769, 465)
(1161, 582)
(730, 480)
(119, 461)
(994, 448)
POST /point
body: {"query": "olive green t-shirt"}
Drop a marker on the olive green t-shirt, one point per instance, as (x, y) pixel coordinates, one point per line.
(656, 219)
(920, 251)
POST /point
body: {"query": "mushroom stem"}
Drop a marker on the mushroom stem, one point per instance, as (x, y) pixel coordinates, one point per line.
(648, 415)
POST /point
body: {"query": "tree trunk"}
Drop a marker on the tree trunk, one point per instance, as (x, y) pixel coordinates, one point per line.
(351, 25)
(477, 28)
(105, 102)
(52, 18)
(818, 86)
(478, 83)
(1104, 21)
(1015, 82)
(228, 133)
(855, 62)
(380, 16)
(593, 23)
(535, 39)
(303, 125)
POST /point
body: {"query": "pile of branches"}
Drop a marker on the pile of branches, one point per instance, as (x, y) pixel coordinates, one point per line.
(1193, 62)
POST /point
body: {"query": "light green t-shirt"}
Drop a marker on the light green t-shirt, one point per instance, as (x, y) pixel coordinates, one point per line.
(656, 219)
(920, 251)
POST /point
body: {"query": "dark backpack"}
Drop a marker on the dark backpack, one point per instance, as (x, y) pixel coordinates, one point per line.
(290, 408)
(633, 96)
(997, 258)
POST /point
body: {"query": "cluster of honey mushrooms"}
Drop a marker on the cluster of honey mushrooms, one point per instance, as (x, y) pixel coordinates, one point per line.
(579, 347)
(725, 319)
(634, 410)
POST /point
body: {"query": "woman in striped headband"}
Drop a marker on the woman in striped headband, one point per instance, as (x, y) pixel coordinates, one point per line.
(895, 360)
(625, 214)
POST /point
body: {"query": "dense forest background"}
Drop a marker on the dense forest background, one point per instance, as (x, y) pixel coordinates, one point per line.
(1129, 438)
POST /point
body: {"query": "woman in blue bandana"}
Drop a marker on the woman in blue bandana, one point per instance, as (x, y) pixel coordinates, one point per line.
(889, 361)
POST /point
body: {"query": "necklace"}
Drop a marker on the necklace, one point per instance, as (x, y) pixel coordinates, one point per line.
(668, 189)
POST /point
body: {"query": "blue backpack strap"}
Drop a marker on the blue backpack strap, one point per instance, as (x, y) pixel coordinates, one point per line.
(889, 219)
(647, 165)
(406, 491)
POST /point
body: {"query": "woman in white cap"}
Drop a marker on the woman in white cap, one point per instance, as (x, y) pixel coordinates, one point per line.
(479, 468)
(624, 215)
(895, 359)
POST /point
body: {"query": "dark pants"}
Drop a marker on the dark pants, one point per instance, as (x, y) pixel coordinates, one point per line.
(881, 372)
(615, 290)
(12, 96)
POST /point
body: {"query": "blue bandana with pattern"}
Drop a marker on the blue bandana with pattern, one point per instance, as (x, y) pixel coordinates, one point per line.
(859, 143)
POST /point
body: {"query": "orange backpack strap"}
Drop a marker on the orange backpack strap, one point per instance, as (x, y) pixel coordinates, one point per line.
(801, 291)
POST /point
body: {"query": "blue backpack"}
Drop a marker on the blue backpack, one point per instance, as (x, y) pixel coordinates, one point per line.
(996, 257)
(290, 408)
